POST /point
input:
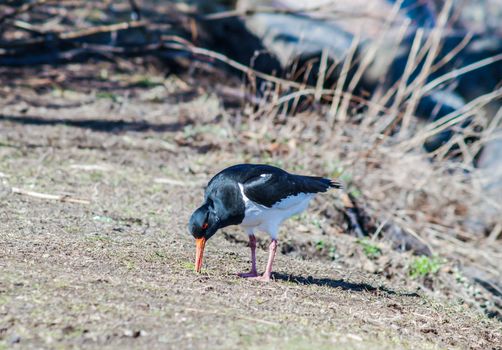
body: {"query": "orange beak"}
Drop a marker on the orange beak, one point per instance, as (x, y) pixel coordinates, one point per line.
(199, 253)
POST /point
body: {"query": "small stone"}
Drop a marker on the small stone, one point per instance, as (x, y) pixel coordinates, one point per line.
(133, 333)
(14, 339)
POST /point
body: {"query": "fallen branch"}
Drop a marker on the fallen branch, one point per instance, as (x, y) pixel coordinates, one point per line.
(319, 11)
(353, 216)
(78, 36)
(62, 198)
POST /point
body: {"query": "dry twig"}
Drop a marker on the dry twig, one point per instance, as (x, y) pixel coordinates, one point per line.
(56, 197)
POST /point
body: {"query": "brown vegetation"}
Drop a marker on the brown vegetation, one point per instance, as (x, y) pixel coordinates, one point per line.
(101, 164)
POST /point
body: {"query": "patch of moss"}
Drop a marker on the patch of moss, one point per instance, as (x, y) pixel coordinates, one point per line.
(371, 250)
(423, 266)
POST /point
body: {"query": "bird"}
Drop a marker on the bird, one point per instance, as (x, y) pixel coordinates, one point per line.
(258, 197)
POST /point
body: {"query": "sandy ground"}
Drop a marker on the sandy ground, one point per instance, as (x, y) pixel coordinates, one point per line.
(118, 272)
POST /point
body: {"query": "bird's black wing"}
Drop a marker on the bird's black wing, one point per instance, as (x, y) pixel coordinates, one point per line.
(269, 185)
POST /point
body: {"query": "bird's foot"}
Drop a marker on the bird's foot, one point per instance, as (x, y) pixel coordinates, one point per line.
(250, 274)
(264, 278)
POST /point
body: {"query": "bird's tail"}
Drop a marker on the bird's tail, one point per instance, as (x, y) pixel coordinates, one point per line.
(315, 184)
(335, 184)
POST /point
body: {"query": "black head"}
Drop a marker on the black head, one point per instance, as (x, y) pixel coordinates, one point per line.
(203, 224)
(204, 221)
(223, 207)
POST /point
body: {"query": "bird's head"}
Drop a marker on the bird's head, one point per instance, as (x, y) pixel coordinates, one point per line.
(203, 224)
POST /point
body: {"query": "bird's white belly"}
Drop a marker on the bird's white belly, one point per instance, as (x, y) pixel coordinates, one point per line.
(260, 217)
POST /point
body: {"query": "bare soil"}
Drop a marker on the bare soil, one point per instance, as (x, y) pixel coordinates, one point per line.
(118, 272)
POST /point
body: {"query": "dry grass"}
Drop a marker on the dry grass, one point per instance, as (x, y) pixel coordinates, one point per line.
(117, 272)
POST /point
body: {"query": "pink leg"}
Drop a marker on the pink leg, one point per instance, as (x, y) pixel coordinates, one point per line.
(252, 245)
(272, 249)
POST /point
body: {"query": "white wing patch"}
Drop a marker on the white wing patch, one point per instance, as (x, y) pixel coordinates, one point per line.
(293, 201)
(260, 217)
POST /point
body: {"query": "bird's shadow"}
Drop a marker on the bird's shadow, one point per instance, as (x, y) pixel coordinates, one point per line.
(342, 284)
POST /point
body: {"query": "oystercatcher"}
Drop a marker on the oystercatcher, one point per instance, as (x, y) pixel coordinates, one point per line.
(257, 197)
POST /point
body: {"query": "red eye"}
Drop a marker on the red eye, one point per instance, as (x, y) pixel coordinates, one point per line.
(205, 226)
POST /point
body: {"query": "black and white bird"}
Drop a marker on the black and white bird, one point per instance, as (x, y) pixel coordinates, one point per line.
(259, 198)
